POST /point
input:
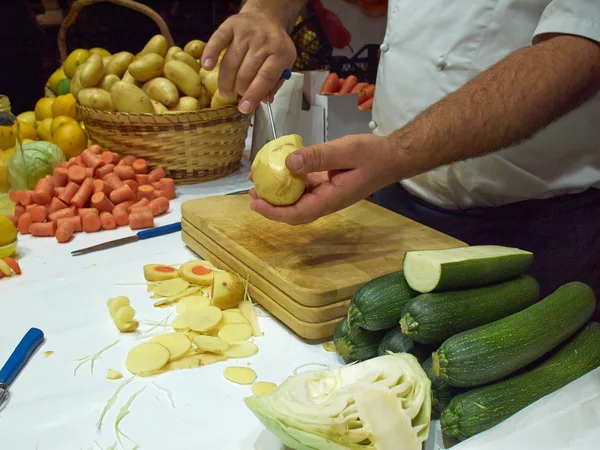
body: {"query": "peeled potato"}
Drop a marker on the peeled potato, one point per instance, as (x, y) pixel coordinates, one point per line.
(112, 374)
(235, 332)
(115, 304)
(240, 375)
(211, 344)
(262, 388)
(197, 271)
(227, 290)
(231, 316)
(203, 319)
(169, 288)
(178, 344)
(159, 272)
(146, 358)
(241, 349)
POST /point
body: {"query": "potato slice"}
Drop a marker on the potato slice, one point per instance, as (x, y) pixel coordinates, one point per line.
(203, 319)
(159, 272)
(112, 374)
(166, 301)
(146, 358)
(189, 362)
(197, 271)
(180, 306)
(247, 309)
(115, 304)
(241, 349)
(178, 344)
(227, 290)
(207, 359)
(170, 288)
(233, 316)
(192, 301)
(211, 344)
(240, 375)
(235, 332)
(262, 388)
(179, 323)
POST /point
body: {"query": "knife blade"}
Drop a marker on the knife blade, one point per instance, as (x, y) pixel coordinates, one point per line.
(286, 75)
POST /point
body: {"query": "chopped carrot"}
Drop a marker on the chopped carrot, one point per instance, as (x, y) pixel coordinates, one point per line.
(70, 190)
(15, 195)
(146, 192)
(140, 166)
(121, 194)
(64, 232)
(330, 85)
(26, 198)
(167, 186)
(83, 194)
(19, 209)
(340, 85)
(75, 221)
(125, 172)
(43, 229)
(101, 202)
(141, 202)
(133, 186)
(91, 223)
(113, 181)
(159, 206)
(107, 220)
(61, 177)
(359, 88)
(77, 174)
(55, 205)
(91, 159)
(141, 179)
(349, 84)
(85, 211)
(156, 175)
(101, 172)
(65, 212)
(39, 213)
(24, 223)
(140, 220)
(367, 105)
(107, 157)
(367, 93)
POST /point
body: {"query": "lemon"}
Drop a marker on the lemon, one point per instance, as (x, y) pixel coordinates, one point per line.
(59, 121)
(63, 87)
(58, 75)
(27, 117)
(74, 60)
(44, 129)
(8, 232)
(43, 108)
(99, 51)
(27, 131)
(70, 138)
(64, 105)
(7, 137)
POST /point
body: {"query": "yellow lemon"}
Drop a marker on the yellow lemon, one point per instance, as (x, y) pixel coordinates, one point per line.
(71, 139)
(55, 78)
(44, 129)
(27, 131)
(7, 137)
(43, 108)
(27, 117)
(74, 60)
(64, 105)
(59, 121)
(8, 232)
(99, 51)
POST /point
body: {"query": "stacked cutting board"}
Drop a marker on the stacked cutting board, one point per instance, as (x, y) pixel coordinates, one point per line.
(304, 276)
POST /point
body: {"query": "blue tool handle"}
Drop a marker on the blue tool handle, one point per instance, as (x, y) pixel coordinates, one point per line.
(159, 231)
(29, 344)
(286, 75)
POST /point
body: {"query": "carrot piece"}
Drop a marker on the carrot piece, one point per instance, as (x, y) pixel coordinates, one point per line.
(86, 211)
(348, 85)
(156, 175)
(55, 205)
(102, 171)
(138, 209)
(359, 88)
(65, 212)
(96, 149)
(340, 85)
(70, 190)
(61, 177)
(167, 185)
(121, 194)
(107, 157)
(367, 93)
(133, 186)
(113, 181)
(14, 220)
(330, 85)
(141, 179)
(141, 202)
(13, 264)
(15, 195)
(101, 202)
(125, 172)
(159, 193)
(39, 213)
(127, 160)
(91, 159)
(140, 166)
(159, 206)
(24, 223)
(83, 194)
(120, 214)
(76, 174)
(75, 221)
(91, 223)
(139, 220)
(19, 209)
(28, 208)
(367, 105)
(156, 186)
(64, 232)
(107, 220)
(43, 229)
(71, 162)
(79, 161)
(89, 172)
(26, 198)
(146, 191)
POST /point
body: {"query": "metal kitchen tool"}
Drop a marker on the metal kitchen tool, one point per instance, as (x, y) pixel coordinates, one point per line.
(286, 75)
(140, 235)
(19, 357)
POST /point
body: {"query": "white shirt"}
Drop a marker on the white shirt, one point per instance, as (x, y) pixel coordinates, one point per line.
(433, 47)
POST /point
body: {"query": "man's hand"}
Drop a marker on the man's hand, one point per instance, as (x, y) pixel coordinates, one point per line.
(339, 174)
(259, 49)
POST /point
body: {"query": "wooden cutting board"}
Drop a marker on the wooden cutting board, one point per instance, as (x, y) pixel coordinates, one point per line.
(317, 264)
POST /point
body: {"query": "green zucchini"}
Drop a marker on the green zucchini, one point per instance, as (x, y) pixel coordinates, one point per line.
(396, 342)
(441, 391)
(478, 410)
(464, 267)
(491, 352)
(434, 317)
(353, 343)
(378, 304)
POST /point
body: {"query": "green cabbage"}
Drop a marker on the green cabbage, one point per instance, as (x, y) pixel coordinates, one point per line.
(40, 159)
(383, 403)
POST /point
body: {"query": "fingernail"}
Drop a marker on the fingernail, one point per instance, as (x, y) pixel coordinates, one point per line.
(245, 107)
(295, 162)
(208, 62)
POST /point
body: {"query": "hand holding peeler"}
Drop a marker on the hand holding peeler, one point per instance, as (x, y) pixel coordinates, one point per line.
(28, 345)
(286, 75)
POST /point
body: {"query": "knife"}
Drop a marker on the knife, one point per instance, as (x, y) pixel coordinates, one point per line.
(286, 75)
(139, 236)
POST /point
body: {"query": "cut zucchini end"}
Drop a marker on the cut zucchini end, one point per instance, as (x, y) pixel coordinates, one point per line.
(355, 316)
(450, 423)
(439, 364)
(408, 325)
(422, 272)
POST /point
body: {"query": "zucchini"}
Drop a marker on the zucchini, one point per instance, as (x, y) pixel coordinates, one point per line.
(493, 351)
(353, 343)
(434, 317)
(396, 342)
(464, 267)
(441, 391)
(472, 412)
(378, 304)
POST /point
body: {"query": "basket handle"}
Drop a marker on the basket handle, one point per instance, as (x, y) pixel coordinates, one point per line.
(70, 19)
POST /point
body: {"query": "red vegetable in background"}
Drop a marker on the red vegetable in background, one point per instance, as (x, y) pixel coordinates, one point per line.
(337, 34)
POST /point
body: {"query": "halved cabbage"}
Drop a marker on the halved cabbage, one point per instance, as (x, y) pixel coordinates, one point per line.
(383, 403)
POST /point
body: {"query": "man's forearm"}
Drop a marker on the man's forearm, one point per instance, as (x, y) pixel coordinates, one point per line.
(284, 11)
(506, 104)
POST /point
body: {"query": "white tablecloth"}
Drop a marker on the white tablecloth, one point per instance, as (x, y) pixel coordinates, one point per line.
(65, 296)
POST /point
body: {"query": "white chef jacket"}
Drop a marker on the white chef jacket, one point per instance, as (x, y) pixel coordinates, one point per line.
(432, 47)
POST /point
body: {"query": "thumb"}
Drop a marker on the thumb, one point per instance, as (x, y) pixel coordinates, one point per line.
(320, 158)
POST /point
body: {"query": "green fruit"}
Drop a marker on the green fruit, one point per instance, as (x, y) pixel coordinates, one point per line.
(63, 87)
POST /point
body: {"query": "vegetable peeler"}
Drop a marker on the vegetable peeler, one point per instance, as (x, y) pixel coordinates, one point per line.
(286, 75)
(28, 345)
(140, 235)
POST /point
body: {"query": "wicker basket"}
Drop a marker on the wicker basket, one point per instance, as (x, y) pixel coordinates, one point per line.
(190, 146)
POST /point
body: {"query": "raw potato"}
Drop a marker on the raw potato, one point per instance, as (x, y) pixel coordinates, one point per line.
(227, 290)
(130, 98)
(158, 44)
(96, 98)
(127, 78)
(169, 288)
(113, 375)
(171, 52)
(231, 316)
(146, 358)
(197, 271)
(235, 332)
(76, 82)
(115, 304)
(211, 344)
(204, 98)
(152, 272)
(147, 67)
(240, 375)
(108, 81)
(210, 80)
(247, 309)
(203, 319)
(262, 388)
(125, 314)
(218, 101)
(162, 90)
(119, 63)
(189, 362)
(92, 71)
(159, 108)
(168, 300)
(241, 349)
(178, 344)
(106, 60)
(207, 359)
(184, 77)
(188, 59)
(179, 323)
(192, 301)
(195, 48)
(186, 104)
